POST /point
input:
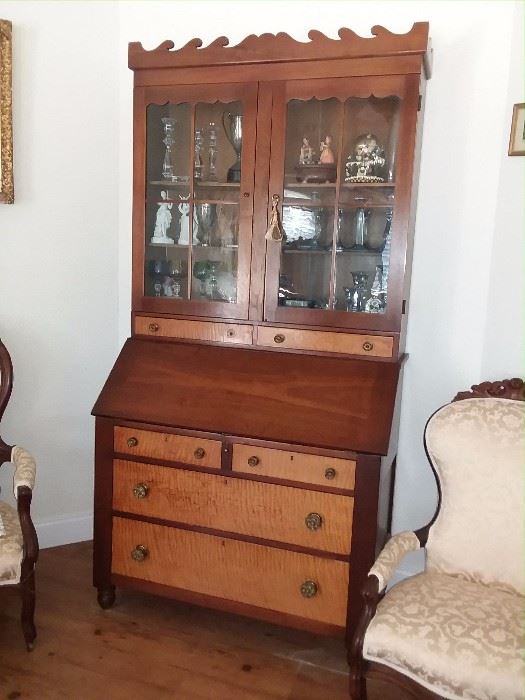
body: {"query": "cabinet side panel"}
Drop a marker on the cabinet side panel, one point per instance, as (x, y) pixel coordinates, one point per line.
(102, 527)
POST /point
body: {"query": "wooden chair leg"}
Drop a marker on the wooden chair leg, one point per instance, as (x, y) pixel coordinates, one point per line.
(27, 591)
(357, 685)
(106, 596)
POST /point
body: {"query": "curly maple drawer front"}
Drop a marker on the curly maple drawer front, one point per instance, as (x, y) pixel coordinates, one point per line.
(298, 584)
(325, 341)
(294, 466)
(194, 330)
(173, 448)
(281, 513)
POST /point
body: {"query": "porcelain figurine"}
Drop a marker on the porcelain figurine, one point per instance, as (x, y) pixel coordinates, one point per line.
(163, 222)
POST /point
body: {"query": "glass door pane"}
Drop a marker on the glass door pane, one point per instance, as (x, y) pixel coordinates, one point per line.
(338, 205)
(197, 225)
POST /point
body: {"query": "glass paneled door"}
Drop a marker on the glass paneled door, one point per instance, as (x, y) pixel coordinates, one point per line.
(198, 194)
(341, 169)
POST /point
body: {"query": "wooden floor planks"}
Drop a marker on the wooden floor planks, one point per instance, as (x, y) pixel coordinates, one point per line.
(148, 648)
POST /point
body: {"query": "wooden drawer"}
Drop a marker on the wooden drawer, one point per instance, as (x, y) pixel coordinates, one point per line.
(294, 466)
(174, 448)
(326, 341)
(194, 330)
(240, 571)
(266, 511)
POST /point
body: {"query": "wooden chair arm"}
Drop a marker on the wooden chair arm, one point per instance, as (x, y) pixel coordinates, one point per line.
(24, 495)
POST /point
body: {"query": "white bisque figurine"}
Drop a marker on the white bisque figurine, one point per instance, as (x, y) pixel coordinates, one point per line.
(163, 222)
(184, 209)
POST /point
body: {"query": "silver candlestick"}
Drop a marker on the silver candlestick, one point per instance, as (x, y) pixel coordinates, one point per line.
(212, 152)
(168, 141)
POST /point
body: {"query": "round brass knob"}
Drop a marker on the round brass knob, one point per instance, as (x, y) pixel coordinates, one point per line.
(199, 453)
(140, 490)
(313, 521)
(330, 473)
(139, 553)
(253, 461)
(309, 589)
(153, 327)
(367, 346)
(279, 338)
(132, 442)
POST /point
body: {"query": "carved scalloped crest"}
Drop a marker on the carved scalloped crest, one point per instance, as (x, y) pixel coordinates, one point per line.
(273, 48)
(505, 389)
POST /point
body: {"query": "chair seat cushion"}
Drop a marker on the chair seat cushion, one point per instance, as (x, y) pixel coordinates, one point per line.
(11, 548)
(460, 639)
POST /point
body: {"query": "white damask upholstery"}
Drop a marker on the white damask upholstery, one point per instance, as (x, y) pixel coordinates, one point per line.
(462, 640)
(11, 549)
(25, 468)
(391, 556)
(477, 447)
(458, 628)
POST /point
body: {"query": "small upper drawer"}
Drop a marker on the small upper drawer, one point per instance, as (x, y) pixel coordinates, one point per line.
(294, 466)
(194, 330)
(174, 448)
(325, 341)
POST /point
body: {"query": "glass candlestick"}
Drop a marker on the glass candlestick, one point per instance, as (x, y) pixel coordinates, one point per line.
(197, 158)
(168, 140)
(212, 152)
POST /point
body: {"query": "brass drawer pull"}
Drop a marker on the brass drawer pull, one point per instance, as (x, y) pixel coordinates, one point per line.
(313, 521)
(330, 473)
(253, 461)
(153, 327)
(132, 442)
(139, 553)
(140, 490)
(199, 453)
(367, 346)
(309, 589)
(230, 333)
(279, 338)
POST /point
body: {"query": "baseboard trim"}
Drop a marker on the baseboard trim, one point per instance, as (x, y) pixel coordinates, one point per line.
(65, 529)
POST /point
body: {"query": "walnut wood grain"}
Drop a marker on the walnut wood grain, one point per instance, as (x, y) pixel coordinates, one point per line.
(281, 47)
(239, 571)
(158, 327)
(326, 341)
(267, 511)
(504, 389)
(169, 446)
(294, 466)
(331, 402)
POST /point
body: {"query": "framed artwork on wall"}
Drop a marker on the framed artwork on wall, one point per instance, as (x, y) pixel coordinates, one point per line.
(517, 131)
(6, 122)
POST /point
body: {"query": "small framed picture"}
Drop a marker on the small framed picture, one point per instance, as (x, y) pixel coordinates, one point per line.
(517, 131)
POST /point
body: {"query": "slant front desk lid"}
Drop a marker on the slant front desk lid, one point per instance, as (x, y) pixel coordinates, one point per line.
(328, 402)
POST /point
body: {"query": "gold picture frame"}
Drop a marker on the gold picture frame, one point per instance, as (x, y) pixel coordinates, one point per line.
(517, 131)
(7, 193)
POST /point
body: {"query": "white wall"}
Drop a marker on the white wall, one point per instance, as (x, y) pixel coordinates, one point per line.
(67, 238)
(58, 249)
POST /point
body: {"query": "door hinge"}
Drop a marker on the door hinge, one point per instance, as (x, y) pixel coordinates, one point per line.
(404, 306)
(420, 100)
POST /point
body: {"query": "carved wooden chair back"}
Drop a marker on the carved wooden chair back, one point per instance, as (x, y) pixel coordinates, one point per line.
(6, 386)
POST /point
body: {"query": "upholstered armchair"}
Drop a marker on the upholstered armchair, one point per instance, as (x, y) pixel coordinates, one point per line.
(457, 630)
(18, 539)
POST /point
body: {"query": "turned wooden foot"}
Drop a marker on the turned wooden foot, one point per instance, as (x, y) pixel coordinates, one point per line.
(106, 596)
(27, 592)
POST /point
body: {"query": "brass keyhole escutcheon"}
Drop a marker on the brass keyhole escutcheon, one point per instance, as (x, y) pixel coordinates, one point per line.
(253, 461)
(279, 338)
(313, 521)
(140, 490)
(330, 473)
(199, 453)
(230, 333)
(309, 589)
(139, 553)
(153, 327)
(367, 346)
(132, 442)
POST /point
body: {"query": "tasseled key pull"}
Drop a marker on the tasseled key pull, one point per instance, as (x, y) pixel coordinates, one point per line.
(275, 229)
